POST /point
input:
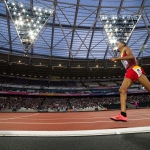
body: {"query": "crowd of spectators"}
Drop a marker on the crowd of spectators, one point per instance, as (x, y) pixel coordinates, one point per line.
(56, 104)
(65, 103)
(19, 102)
(90, 102)
(138, 98)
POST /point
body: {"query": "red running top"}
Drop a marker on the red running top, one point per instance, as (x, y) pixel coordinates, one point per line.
(130, 63)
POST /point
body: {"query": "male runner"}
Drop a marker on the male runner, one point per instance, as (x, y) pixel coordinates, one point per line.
(133, 73)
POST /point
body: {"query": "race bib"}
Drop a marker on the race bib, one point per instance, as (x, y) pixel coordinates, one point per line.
(125, 63)
(138, 70)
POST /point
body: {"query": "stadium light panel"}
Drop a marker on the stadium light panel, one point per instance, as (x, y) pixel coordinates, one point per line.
(118, 28)
(28, 21)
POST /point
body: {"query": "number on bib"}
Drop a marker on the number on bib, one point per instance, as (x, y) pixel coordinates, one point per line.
(138, 70)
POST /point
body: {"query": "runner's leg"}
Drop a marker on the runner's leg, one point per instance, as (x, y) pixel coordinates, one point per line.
(144, 82)
(126, 84)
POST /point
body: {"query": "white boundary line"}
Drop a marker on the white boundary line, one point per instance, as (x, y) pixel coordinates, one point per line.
(62, 123)
(68, 118)
(19, 117)
(76, 133)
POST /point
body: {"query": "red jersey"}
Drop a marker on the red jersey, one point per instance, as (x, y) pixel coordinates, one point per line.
(130, 63)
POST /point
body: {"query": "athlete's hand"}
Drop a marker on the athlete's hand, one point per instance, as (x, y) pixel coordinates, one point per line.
(113, 59)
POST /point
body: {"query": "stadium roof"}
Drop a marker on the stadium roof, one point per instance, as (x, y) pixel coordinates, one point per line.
(75, 33)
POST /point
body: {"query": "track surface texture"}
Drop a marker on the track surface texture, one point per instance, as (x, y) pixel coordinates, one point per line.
(72, 121)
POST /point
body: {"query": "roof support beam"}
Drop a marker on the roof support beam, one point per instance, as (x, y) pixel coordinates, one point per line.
(139, 13)
(97, 16)
(63, 32)
(147, 17)
(9, 33)
(52, 36)
(74, 25)
(138, 39)
(31, 3)
(147, 27)
(120, 7)
(85, 38)
(106, 52)
(142, 7)
(92, 6)
(143, 45)
(70, 52)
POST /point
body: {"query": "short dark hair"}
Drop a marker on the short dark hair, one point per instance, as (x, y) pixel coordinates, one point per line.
(125, 44)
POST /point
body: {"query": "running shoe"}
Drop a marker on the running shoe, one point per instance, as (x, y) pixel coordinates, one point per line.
(119, 117)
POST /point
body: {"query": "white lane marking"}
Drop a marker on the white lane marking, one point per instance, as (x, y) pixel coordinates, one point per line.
(77, 132)
(20, 117)
(70, 122)
(25, 117)
(65, 118)
(54, 123)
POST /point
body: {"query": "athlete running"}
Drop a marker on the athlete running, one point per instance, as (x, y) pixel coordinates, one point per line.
(133, 73)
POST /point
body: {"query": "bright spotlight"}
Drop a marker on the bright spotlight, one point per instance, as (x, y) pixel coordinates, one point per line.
(21, 23)
(30, 32)
(21, 5)
(32, 37)
(16, 22)
(35, 34)
(113, 41)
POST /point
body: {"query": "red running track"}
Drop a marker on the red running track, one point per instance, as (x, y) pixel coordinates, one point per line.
(72, 121)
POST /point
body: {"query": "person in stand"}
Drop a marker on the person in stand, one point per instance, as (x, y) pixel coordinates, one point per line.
(133, 73)
(136, 104)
